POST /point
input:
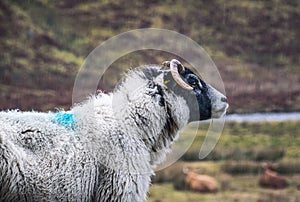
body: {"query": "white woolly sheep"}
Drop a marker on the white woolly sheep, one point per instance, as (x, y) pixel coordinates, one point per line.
(106, 148)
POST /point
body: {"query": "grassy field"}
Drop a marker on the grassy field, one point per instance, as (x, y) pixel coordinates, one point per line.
(250, 141)
(240, 189)
(236, 163)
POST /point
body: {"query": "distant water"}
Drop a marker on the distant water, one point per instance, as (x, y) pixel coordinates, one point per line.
(261, 117)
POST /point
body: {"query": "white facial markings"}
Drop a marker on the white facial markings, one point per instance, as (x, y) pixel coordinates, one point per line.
(218, 107)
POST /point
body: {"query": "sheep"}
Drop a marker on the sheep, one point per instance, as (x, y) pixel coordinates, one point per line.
(271, 179)
(106, 148)
(200, 183)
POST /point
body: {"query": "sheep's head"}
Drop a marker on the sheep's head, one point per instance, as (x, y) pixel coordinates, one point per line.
(203, 100)
(154, 102)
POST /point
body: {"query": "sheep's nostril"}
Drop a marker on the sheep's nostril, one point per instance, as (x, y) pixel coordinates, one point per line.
(224, 99)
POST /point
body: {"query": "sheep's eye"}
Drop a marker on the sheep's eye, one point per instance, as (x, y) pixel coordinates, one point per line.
(194, 83)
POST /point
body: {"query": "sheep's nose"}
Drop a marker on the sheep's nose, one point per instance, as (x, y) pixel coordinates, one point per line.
(224, 99)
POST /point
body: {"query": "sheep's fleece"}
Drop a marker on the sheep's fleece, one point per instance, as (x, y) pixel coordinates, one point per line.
(104, 149)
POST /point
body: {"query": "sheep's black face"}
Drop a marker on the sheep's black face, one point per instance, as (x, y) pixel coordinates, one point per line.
(202, 104)
(204, 101)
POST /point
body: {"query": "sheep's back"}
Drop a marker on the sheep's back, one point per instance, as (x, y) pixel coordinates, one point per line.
(33, 131)
(42, 158)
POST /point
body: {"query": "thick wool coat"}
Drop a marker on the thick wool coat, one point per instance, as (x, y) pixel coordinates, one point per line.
(104, 149)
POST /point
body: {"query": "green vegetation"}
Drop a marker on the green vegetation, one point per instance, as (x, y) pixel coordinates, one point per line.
(236, 163)
(250, 141)
(232, 188)
(254, 43)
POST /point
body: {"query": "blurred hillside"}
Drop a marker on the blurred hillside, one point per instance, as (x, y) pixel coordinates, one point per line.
(255, 45)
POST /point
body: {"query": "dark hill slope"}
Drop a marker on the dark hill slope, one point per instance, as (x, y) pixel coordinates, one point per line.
(255, 45)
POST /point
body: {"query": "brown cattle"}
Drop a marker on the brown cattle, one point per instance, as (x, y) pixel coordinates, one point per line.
(271, 179)
(200, 183)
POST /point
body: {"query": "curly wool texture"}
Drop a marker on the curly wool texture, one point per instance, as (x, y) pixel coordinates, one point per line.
(104, 149)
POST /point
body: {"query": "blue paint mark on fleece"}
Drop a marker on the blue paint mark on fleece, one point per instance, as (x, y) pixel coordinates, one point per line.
(65, 119)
